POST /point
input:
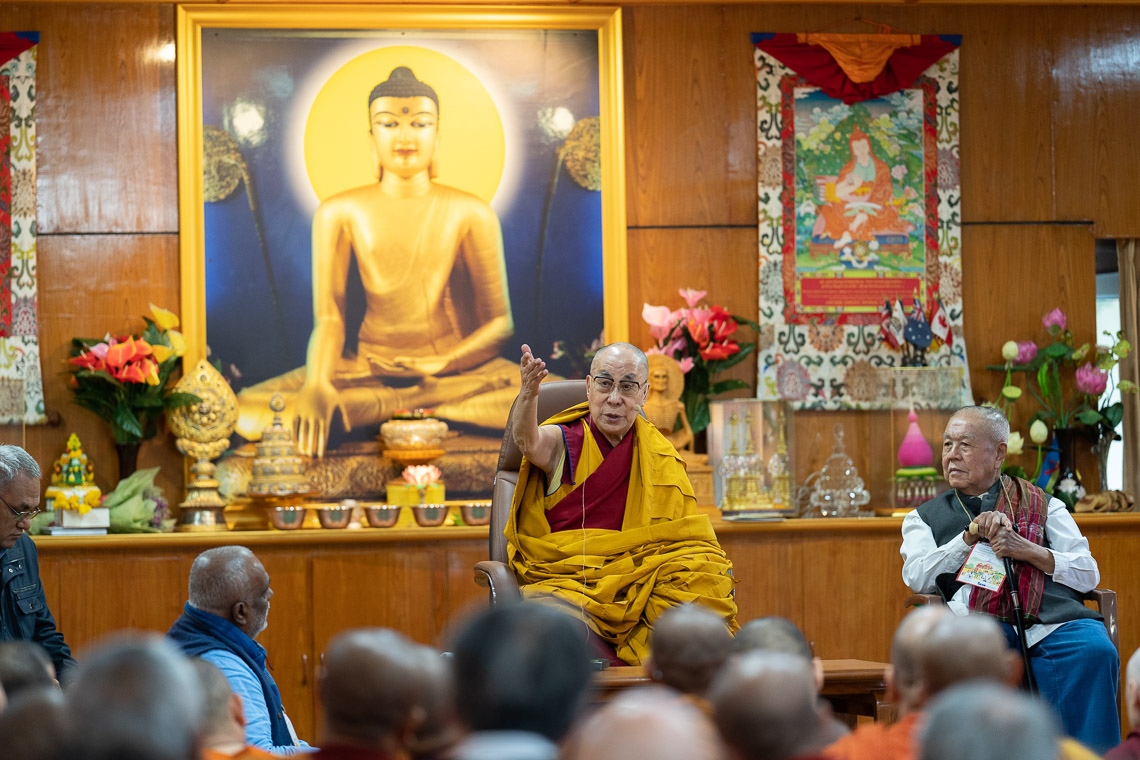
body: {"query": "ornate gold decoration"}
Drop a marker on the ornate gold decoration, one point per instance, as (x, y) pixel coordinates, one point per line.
(202, 431)
(278, 471)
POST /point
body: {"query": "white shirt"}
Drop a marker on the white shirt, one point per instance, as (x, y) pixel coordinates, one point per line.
(924, 560)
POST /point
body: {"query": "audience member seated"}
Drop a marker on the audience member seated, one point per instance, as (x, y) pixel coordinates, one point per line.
(1074, 663)
(24, 665)
(227, 610)
(24, 613)
(32, 727)
(649, 722)
(1129, 749)
(985, 721)
(136, 697)
(598, 480)
(440, 729)
(932, 650)
(223, 722)
(371, 689)
(764, 704)
(522, 675)
(688, 647)
(777, 634)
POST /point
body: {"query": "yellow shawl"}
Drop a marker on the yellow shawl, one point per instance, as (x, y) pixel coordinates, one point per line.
(620, 581)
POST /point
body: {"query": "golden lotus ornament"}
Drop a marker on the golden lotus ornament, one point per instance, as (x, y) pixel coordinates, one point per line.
(202, 432)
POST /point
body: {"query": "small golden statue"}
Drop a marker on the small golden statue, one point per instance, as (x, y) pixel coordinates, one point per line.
(202, 431)
(73, 481)
(663, 407)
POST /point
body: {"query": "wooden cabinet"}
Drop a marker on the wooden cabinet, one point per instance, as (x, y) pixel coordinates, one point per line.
(839, 580)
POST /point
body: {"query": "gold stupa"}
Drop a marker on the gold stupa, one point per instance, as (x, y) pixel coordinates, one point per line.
(278, 470)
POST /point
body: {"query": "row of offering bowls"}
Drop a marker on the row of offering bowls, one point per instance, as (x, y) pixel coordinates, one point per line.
(377, 515)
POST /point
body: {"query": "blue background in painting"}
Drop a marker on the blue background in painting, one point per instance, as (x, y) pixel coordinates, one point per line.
(264, 66)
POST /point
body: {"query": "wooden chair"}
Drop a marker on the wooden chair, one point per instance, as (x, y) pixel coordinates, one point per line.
(1103, 600)
(494, 573)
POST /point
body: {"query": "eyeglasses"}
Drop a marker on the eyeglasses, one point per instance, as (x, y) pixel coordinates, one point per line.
(605, 386)
(20, 515)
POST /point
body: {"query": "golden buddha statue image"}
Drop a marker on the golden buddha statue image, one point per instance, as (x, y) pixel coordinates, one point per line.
(663, 406)
(437, 308)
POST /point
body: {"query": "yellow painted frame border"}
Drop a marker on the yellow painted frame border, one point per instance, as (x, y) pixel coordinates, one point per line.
(192, 19)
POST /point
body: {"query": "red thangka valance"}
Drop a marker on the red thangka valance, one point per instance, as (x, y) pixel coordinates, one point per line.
(856, 67)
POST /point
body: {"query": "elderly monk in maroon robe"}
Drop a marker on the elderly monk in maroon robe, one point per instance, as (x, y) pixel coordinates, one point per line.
(604, 521)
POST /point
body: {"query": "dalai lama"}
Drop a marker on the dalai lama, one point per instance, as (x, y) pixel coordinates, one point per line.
(604, 521)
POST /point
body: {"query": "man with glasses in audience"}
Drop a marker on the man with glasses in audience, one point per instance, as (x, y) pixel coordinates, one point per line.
(24, 614)
(604, 520)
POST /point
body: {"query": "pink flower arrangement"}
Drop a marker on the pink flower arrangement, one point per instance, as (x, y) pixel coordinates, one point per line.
(1091, 379)
(701, 338)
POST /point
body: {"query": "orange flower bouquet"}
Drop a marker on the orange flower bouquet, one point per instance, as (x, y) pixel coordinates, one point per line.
(124, 379)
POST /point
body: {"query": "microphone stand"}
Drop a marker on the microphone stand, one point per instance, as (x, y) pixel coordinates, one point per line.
(1019, 624)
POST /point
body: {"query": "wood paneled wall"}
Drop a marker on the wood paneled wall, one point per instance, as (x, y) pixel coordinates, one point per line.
(1047, 162)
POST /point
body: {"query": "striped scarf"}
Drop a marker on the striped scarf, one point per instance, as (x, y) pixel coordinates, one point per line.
(1027, 507)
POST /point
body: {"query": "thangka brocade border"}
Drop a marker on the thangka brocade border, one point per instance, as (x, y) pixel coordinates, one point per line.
(838, 362)
(19, 336)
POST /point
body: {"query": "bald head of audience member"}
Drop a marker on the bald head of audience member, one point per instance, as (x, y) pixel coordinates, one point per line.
(905, 678)
(371, 688)
(688, 646)
(32, 727)
(521, 667)
(777, 634)
(439, 729)
(136, 697)
(223, 719)
(1132, 689)
(978, 720)
(651, 722)
(967, 647)
(231, 582)
(24, 664)
(765, 706)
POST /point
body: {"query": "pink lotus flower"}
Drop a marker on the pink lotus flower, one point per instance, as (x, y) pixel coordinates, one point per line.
(1026, 351)
(1091, 380)
(422, 474)
(692, 297)
(1054, 321)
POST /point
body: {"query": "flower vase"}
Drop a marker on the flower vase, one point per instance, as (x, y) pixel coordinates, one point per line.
(128, 459)
(1101, 448)
(1067, 481)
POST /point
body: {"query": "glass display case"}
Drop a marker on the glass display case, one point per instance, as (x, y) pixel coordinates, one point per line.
(750, 446)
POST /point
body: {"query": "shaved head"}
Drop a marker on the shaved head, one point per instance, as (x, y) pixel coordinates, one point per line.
(689, 645)
(765, 706)
(647, 722)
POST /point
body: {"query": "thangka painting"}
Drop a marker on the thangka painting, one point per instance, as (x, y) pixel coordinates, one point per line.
(859, 204)
(21, 381)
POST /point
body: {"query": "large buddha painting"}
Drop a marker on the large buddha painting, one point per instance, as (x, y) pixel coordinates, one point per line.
(386, 213)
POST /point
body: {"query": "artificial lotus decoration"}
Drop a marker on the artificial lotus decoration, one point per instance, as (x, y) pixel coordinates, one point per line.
(124, 379)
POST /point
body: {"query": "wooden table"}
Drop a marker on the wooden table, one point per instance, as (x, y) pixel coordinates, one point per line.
(854, 687)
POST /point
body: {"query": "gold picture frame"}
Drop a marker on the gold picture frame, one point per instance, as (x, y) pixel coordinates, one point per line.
(295, 22)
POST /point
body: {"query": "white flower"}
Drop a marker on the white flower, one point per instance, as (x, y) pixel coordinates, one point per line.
(1016, 444)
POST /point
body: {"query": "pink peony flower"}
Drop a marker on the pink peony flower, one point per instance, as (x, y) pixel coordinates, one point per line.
(692, 297)
(1091, 380)
(1026, 351)
(1054, 321)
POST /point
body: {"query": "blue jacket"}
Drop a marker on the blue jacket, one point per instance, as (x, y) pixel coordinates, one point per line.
(24, 613)
(199, 633)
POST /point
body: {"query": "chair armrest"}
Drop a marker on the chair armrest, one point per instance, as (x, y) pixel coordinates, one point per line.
(1105, 600)
(921, 600)
(497, 577)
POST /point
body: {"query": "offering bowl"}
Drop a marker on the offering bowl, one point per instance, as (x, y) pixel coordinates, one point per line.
(286, 518)
(476, 512)
(430, 515)
(335, 517)
(382, 515)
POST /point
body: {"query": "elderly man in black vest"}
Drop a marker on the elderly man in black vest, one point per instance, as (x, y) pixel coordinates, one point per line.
(1074, 663)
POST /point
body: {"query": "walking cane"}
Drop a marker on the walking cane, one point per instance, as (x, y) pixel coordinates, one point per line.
(1019, 624)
